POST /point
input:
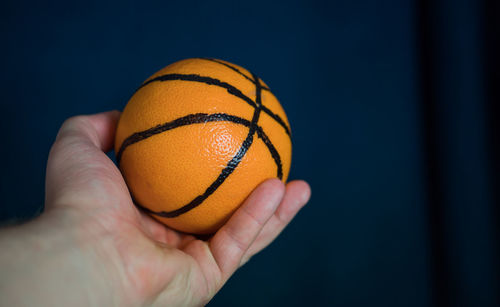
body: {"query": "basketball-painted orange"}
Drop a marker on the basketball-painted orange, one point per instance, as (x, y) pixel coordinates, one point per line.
(196, 138)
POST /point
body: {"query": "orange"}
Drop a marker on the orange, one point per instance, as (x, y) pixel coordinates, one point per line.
(196, 138)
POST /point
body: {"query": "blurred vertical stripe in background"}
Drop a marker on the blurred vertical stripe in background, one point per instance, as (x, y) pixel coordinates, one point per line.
(461, 167)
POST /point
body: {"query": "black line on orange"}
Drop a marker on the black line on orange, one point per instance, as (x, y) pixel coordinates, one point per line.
(199, 118)
(179, 122)
(265, 109)
(202, 79)
(228, 170)
(235, 69)
(274, 153)
(211, 81)
(278, 119)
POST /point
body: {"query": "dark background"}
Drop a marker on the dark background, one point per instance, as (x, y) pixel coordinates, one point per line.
(393, 107)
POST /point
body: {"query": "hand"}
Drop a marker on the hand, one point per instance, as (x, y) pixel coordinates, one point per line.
(92, 246)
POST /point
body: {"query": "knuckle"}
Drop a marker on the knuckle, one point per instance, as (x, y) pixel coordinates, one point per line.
(259, 221)
(237, 240)
(76, 126)
(282, 218)
(74, 122)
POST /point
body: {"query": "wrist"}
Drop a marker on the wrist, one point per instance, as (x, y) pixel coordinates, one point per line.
(52, 261)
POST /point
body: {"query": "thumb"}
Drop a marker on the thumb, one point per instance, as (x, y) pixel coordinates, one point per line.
(77, 159)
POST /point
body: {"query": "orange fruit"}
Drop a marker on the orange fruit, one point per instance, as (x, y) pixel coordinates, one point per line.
(196, 138)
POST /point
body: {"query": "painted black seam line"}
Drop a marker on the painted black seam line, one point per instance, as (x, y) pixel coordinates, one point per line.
(274, 153)
(228, 170)
(234, 69)
(277, 119)
(202, 79)
(211, 81)
(199, 118)
(230, 167)
(272, 150)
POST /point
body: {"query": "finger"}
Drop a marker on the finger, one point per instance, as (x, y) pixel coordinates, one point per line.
(296, 196)
(231, 242)
(77, 156)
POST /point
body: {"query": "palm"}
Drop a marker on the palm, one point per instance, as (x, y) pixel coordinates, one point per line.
(156, 261)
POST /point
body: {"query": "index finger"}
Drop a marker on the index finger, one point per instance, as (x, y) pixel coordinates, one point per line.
(230, 243)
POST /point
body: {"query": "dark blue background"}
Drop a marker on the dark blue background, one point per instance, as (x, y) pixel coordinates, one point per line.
(349, 76)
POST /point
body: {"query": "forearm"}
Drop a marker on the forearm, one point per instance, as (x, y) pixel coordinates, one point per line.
(41, 265)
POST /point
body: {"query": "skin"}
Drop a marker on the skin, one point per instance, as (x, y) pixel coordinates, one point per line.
(93, 247)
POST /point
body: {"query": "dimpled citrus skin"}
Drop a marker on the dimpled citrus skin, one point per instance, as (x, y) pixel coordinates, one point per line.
(167, 170)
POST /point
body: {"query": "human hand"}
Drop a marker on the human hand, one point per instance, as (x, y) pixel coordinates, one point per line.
(97, 248)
